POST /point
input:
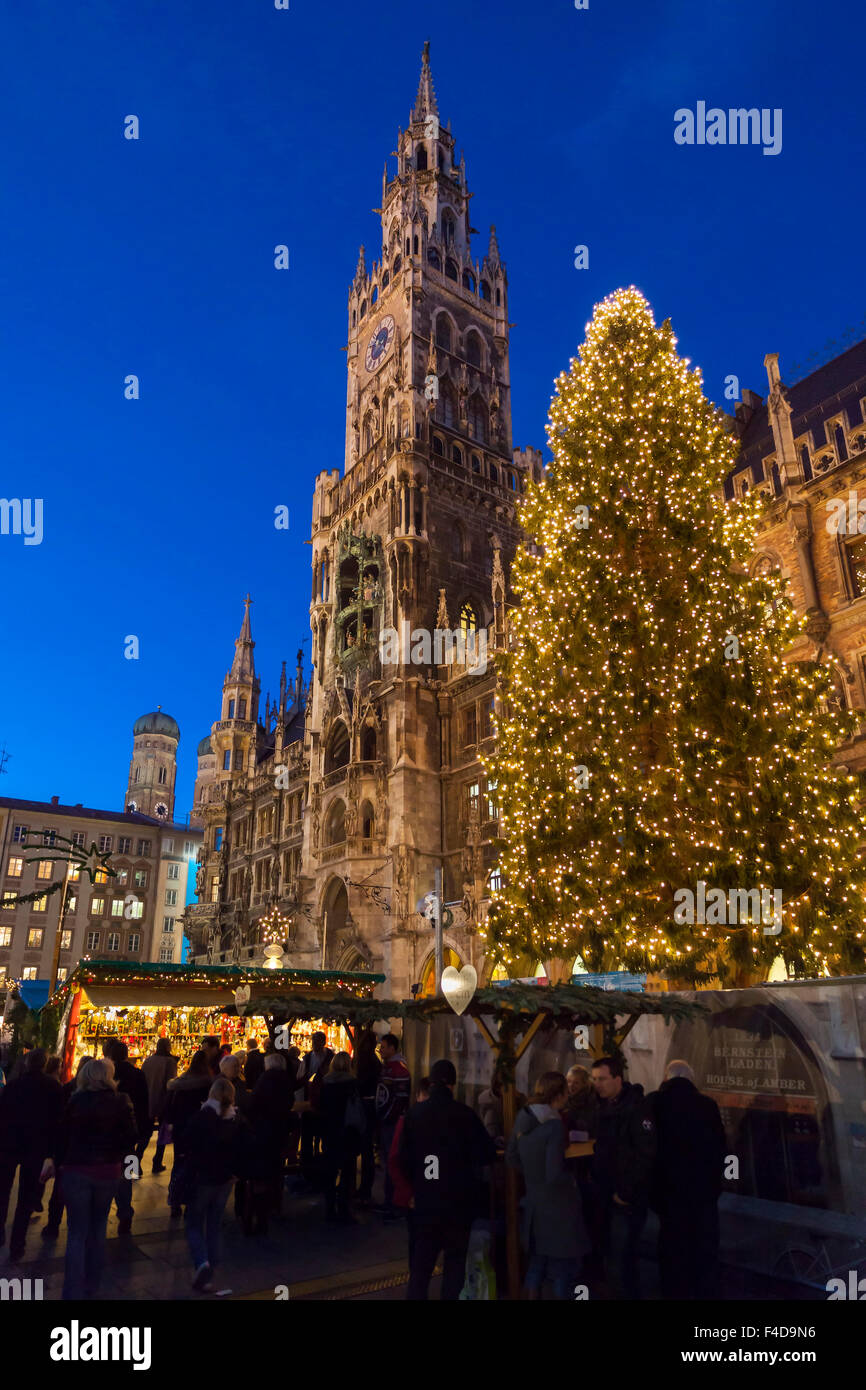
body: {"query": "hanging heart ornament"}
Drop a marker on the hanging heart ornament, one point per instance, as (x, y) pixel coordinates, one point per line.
(242, 997)
(458, 986)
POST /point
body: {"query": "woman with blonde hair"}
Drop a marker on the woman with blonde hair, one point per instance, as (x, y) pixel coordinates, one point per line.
(211, 1162)
(97, 1135)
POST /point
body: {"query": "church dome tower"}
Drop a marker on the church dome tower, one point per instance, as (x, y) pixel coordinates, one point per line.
(153, 766)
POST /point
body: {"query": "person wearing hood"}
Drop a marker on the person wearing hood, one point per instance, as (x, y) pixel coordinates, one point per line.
(553, 1229)
(212, 1144)
(158, 1071)
(185, 1097)
(343, 1125)
(622, 1168)
(687, 1184)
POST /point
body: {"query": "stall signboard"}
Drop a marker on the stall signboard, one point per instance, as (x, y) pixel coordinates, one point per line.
(622, 980)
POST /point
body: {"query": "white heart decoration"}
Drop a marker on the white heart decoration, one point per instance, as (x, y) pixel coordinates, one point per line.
(242, 997)
(458, 986)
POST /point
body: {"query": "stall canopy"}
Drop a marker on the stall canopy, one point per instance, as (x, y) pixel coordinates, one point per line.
(122, 983)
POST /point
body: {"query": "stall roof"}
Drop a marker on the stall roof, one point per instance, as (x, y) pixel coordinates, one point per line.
(126, 982)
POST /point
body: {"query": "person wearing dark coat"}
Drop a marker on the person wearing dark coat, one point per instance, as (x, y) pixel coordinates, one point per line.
(443, 1148)
(212, 1140)
(158, 1070)
(186, 1095)
(231, 1067)
(368, 1069)
(96, 1135)
(553, 1229)
(270, 1120)
(343, 1124)
(622, 1168)
(57, 1203)
(30, 1112)
(254, 1064)
(687, 1184)
(129, 1082)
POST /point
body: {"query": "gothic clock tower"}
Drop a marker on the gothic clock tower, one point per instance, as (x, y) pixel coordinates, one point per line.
(418, 530)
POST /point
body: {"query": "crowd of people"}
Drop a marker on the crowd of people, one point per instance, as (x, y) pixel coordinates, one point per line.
(238, 1122)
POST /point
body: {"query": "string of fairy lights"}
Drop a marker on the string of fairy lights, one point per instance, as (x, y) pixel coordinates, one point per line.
(705, 758)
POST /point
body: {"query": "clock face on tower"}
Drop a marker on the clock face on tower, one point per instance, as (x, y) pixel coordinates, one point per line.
(162, 810)
(380, 341)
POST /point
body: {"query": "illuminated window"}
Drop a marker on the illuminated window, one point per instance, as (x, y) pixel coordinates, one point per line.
(214, 891)
(122, 877)
(15, 867)
(141, 878)
(66, 941)
(135, 910)
(74, 873)
(34, 939)
(492, 801)
(166, 955)
(44, 868)
(495, 881)
(8, 899)
(62, 972)
(468, 620)
(117, 907)
(5, 936)
(96, 906)
(428, 975)
(101, 876)
(30, 972)
(40, 905)
(473, 793)
(71, 903)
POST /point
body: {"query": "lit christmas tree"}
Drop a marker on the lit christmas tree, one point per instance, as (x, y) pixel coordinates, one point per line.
(660, 764)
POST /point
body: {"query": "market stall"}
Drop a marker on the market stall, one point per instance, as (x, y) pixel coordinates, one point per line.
(140, 1003)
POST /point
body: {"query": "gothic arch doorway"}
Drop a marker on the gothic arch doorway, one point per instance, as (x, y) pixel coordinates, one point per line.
(428, 973)
(335, 914)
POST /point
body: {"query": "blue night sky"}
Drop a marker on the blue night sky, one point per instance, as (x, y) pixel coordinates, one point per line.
(261, 127)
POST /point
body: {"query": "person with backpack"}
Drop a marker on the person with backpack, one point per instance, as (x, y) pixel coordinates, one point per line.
(443, 1148)
(343, 1126)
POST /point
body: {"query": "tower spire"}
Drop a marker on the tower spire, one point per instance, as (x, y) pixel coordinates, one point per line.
(425, 102)
(243, 664)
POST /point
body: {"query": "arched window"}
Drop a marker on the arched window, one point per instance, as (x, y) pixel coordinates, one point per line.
(386, 279)
(473, 349)
(397, 266)
(368, 434)
(368, 821)
(841, 444)
(433, 258)
(498, 296)
(368, 745)
(451, 269)
(363, 307)
(477, 420)
(485, 290)
(512, 481)
(476, 464)
(408, 249)
(457, 455)
(443, 333)
(337, 751)
(375, 295)
(421, 161)
(468, 620)
(448, 229)
(354, 318)
(414, 246)
(438, 446)
(806, 460)
(445, 408)
(335, 825)
(468, 281)
(494, 473)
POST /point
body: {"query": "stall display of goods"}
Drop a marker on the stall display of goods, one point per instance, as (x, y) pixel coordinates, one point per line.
(141, 1027)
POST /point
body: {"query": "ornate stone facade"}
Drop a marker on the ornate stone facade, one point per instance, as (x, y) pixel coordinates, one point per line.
(806, 449)
(340, 805)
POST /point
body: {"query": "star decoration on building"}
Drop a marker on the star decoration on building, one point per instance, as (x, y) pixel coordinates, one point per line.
(64, 850)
